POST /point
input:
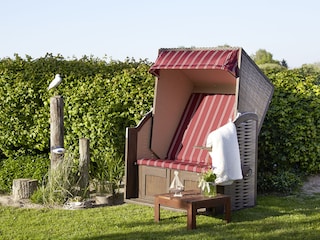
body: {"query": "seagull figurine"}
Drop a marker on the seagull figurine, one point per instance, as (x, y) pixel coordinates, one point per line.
(55, 82)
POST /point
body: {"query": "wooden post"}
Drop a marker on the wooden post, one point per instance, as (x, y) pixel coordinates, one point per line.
(56, 128)
(84, 164)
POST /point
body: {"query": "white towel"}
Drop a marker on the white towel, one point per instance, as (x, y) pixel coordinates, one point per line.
(226, 163)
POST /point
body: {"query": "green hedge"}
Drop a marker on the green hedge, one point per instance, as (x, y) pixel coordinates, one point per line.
(101, 99)
(34, 167)
(289, 142)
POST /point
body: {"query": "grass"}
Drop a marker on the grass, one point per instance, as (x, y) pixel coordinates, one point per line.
(290, 217)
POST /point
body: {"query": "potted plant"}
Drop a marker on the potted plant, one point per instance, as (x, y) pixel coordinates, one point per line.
(207, 184)
(109, 174)
(103, 194)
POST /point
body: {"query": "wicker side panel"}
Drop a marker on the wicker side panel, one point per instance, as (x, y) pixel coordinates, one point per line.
(255, 89)
(243, 192)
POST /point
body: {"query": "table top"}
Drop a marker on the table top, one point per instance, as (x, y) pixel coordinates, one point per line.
(190, 196)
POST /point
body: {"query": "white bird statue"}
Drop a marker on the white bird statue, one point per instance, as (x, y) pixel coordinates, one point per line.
(55, 82)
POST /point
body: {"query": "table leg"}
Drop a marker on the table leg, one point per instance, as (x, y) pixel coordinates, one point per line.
(191, 216)
(156, 210)
(227, 209)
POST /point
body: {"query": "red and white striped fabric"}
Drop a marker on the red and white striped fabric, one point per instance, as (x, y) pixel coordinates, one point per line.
(203, 114)
(223, 59)
(175, 164)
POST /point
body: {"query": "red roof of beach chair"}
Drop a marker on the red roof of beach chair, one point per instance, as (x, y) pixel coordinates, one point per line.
(223, 59)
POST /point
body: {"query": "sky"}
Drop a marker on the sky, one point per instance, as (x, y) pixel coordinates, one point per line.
(117, 29)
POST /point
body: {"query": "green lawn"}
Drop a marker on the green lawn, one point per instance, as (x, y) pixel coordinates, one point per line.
(292, 217)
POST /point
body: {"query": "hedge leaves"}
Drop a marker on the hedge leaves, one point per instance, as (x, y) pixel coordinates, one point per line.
(101, 99)
(289, 142)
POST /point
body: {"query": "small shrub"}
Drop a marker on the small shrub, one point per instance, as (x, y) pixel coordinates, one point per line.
(109, 169)
(39, 196)
(60, 184)
(280, 181)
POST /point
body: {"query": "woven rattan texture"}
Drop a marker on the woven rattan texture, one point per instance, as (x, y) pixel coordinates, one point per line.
(243, 192)
(255, 90)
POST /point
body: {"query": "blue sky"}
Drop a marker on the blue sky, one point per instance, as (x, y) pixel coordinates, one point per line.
(138, 28)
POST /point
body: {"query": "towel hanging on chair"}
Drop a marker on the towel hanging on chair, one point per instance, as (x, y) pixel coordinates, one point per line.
(225, 154)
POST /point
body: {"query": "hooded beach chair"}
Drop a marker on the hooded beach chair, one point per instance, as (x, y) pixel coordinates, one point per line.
(197, 91)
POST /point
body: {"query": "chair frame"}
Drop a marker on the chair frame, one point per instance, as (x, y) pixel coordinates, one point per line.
(253, 93)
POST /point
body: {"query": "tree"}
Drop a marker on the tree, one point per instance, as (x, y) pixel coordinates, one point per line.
(266, 62)
(263, 57)
(315, 66)
(284, 63)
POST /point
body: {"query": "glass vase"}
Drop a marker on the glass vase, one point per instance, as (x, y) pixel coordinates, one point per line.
(210, 190)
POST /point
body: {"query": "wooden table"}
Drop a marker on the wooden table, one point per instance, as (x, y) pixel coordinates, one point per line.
(192, 201)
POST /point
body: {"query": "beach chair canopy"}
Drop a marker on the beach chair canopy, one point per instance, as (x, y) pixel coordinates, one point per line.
(230, 70)
(224, 59)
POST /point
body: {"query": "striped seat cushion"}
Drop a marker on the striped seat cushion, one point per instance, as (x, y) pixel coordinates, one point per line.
(203, 114)
(175, 164)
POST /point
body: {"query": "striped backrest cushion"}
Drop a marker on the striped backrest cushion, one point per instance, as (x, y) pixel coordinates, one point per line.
(203, 114)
